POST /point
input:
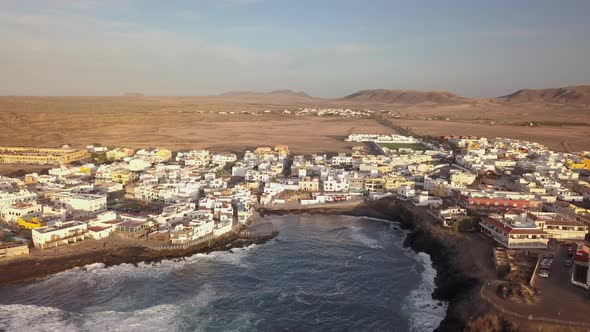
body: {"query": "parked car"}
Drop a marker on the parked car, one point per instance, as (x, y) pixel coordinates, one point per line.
(548, 256)
(543, 274)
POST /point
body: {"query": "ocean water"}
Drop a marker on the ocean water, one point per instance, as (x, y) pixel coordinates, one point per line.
(322, 273)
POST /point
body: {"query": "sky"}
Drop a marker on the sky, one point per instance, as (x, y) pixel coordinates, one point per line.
(327, 48)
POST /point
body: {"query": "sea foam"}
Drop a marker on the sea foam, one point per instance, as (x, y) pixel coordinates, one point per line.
(425, 313)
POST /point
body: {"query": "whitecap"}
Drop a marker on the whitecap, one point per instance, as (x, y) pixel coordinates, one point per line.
(234, 256)
(358, 235)
(425, 313)
(162, 317)
(16, 317)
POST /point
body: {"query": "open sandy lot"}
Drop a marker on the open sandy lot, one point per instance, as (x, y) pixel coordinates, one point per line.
(208, 122)
(575, 138)
(173, 123)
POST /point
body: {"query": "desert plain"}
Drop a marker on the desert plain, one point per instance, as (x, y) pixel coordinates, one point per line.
(238, 121)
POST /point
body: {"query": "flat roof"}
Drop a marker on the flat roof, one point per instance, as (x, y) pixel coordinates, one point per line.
(132, 223)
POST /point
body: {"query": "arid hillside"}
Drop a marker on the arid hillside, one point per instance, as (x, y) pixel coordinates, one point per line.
(404, 97)
(571, 94)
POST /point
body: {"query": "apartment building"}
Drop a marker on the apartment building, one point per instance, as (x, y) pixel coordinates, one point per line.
(511, 236)
(8, 198)
(40, 156)
(309, 184)
(62, 233)
(15, 211)
(81, 204)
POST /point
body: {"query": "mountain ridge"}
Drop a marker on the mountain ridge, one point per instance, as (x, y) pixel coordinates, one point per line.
(578, 94)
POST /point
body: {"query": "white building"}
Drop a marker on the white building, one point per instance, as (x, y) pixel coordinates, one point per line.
(423, 199)
(406, 192)
(82, 204)
(9, 198)
(12, 212)
(62, 233)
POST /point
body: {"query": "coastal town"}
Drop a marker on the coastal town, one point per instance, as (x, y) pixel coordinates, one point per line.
(522, 198)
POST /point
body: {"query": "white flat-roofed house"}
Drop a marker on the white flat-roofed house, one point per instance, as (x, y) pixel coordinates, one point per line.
(406, 192)
(223, 227)
(175, 214)
(99, 232)
(223, 158)
(62, 233)
(332, 184)
(423, 199)
(108, 186)
(202, 227)
(12, 212)
(461, 179)
(54, 212)
(138, 164)
(103, 225)
(165, 193)
(181, 234)
(449, 215)
(97, 149)
(8, 198)
(82, 204)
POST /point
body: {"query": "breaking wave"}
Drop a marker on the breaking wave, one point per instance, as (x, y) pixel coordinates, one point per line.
(425, 313)
(163, 317)
(358, 235)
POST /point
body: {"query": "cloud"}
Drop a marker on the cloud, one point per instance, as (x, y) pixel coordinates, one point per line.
(83, 54)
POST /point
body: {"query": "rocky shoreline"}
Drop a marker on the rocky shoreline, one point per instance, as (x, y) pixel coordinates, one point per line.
(31, 268)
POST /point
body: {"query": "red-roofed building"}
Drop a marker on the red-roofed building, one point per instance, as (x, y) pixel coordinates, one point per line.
(581, 271)
(514, 237)
(495, 201)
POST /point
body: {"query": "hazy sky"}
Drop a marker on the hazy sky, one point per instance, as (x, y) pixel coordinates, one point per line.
(326, 48)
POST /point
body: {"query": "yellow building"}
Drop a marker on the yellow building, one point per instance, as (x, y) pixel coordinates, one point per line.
(31, 223)
(309, 184)
(264, 151)
(282, 149)
(374, 184)
(122, 176)
(119, 153)
(164, 154)
(384, 169)
(40, 156)
(85, 170)
(393, 182)
(583, 164)
(253, 185)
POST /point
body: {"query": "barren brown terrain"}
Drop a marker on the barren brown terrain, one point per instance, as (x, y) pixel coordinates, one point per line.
(171, 122)
(558, 118)
(561, 127)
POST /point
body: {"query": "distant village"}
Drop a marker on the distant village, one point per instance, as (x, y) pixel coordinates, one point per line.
(520, 194)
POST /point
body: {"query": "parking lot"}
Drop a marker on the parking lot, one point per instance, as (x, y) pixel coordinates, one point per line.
(557, 299)
(560, 299)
